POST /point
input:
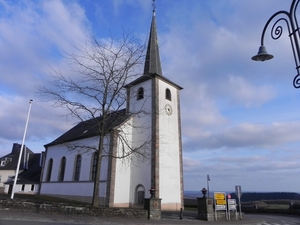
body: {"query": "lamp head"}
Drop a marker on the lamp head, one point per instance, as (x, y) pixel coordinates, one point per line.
(262, 55)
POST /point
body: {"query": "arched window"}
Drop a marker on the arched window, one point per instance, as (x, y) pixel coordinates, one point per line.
(49, 171)
(94, 166)
(168, 94)
(139, 194)
(140, 93)
(62, 169)
(77, 167)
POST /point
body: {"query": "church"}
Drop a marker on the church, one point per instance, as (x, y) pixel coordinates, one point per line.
(70, 174)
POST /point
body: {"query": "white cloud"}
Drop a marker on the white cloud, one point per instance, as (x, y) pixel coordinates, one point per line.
(32, 38)
(241, 92)
(245, 135)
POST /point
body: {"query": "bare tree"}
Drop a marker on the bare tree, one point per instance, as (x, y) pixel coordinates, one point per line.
(95, 93)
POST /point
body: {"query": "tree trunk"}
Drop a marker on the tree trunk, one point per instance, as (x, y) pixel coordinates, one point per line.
(95, 201)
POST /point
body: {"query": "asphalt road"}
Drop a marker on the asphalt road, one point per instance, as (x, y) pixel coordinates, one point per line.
(29, 218)
(16, 222)
(278, 219)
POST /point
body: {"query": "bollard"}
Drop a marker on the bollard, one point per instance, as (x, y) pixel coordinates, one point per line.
(181, 214)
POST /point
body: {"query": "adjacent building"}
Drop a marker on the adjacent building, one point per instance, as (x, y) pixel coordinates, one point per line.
(29, 171)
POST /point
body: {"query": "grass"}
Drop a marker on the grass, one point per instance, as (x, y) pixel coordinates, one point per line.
(40, 198)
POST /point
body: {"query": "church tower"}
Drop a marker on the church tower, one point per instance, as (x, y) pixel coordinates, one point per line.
(158, 99)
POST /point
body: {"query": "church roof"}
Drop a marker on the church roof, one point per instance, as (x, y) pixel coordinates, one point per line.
(152, 67)
(152, 62)
(90, 128)
(151, 76)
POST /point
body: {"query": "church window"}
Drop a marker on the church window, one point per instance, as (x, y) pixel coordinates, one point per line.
(49, 171)
(77, 167)
(140, 93)
(94, 166)
(168, 94)
(62, 169)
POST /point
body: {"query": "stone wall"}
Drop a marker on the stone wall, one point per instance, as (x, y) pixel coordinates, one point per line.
(221, 216)
(154, 208)
(72, 209)
(205, 209)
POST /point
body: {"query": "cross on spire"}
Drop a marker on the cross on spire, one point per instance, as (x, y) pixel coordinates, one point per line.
(153, 5)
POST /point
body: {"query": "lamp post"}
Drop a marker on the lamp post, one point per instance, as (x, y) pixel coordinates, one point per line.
(290, 18)
(21, 151)
(207, 180)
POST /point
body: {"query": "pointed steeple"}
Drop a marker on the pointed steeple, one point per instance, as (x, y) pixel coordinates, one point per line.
(152, 62)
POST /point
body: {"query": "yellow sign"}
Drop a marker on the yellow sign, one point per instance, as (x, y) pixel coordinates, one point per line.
(220, 196)
(221, 202)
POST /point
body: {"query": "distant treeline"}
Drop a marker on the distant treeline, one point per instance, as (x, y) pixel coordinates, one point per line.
(257, 196)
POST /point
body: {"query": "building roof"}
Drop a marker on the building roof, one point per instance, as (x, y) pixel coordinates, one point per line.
(151, 76)
(90, 128)
(152, 62)
(152, 68)
(10, 161)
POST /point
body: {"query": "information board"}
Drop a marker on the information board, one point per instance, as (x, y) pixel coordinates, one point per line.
(219, 195)
(220, 203)
(220, 200)
(232, 204)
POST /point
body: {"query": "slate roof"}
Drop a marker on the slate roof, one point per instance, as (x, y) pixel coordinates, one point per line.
(152, 67)
(146, 77)
(11, 159)
(90, 127)
(152, 61)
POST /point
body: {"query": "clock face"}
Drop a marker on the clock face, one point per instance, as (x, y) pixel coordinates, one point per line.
(168, 109)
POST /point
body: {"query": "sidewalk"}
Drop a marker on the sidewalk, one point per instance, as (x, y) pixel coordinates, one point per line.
(172, 218)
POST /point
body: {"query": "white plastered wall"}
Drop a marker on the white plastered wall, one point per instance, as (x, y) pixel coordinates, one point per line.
(5, 174)
(140, 168)
(122, 176)
(169, 150)
(83, 187)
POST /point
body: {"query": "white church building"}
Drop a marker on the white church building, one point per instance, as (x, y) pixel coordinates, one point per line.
(70, 174)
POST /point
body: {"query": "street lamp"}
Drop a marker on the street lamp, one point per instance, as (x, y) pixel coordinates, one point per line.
(290, 18)
(208, 179)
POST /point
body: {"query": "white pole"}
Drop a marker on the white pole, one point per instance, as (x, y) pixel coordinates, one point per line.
(21, 150)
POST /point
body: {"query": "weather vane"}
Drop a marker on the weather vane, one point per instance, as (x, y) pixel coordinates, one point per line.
(153, 5)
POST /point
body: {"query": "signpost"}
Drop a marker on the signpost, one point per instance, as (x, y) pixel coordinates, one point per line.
(231, 207)
(220, 202)
(238, 192)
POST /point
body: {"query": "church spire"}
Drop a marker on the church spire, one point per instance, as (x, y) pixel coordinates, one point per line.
(152, 62)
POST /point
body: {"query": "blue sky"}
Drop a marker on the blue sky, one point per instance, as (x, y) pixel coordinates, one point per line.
(240, 118)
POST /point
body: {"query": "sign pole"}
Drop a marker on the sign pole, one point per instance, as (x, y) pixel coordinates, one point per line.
(238, 192)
